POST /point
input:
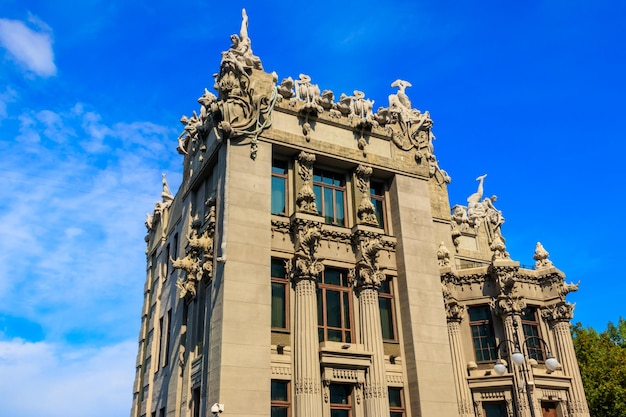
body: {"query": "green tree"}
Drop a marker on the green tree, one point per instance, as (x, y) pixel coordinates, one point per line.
(602, 361)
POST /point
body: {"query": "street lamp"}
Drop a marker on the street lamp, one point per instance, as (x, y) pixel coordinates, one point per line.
(519, 359)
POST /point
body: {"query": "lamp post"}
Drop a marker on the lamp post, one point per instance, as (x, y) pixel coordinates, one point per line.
(519, 359)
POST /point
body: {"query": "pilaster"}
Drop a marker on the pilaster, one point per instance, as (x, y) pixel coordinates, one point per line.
(304, 271)
(559, 317)
(367, 278)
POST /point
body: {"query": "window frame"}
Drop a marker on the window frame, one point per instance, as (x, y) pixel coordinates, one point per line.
(284, 282)
(374, 197)
(392, 308)
(532, 334)
(396, 411)
(276, 162)
(501, 404)
(486, 324)
(280, 404)
(349, 406)
(345, 293)
(321, 186)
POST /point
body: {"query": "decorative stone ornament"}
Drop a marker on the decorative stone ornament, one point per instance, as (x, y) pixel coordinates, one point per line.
(305, 200)
(197, 265)
(541, 257)
(367, 273)
(245, 100)
(443, 255)
(366, 212)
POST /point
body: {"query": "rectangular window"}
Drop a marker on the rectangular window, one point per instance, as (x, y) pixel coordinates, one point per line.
(330, 192)
(174, 253)
(334, 306)
(280, 401)
(280, 294)
(159, 346)
(279, 187)
(166, 263)
(481, 324)
(396, 402)
(377, 196)
(340, 400)
(167, 337)
(494, 409)
(530, 325)
(387, 314)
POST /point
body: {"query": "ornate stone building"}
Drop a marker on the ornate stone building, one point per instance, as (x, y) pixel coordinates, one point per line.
(310, 265)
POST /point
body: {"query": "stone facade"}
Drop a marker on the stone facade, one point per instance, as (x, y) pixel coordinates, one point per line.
(310, 265)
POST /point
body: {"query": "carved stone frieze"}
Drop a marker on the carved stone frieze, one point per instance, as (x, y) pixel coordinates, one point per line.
(305, 200)
(280, 226)
(197, 264)
(366, 211)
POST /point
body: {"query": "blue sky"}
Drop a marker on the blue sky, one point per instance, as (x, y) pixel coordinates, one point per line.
(90, 97)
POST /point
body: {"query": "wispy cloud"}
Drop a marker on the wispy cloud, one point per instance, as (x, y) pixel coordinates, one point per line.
(66, 381)
(29, 46)
(73, 203)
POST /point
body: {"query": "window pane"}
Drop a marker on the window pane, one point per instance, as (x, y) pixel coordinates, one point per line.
(278, 269)
(278, 195)
(320, 308)
(346, 311)
(317, 190)
(333, 308)
(279, 412)
(395, 397)
(334, 335)
(340, 208)
(332, 276)
(279, 318)
(329, 213)
(378, 211)
(386, 318)
(385, 288)
(339, 413)
(340, 394)
(279, 391)
(279, 167)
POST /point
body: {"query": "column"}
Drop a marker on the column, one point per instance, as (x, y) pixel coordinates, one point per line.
(306, 364)
(509, 308)
(455, 313)
(560, 317)
(367, 278)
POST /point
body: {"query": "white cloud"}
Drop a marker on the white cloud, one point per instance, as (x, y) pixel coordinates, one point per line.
(58, 380)
(8, 96)
(72, 205)
(30, 47)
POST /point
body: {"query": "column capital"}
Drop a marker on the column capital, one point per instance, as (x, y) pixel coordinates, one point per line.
(560, 312)
(507, 305)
